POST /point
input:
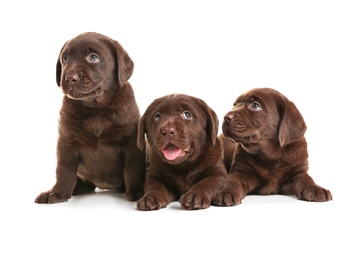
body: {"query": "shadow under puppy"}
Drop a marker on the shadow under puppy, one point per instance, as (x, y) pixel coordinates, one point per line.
(97, 130)
(265, 150)
(184, 155)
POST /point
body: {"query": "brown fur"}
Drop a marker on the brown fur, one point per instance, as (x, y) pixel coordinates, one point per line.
(98, 121)
(197, 173)
(265, 150)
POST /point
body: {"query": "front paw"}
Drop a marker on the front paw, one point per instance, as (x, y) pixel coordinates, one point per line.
(152, 202)
(314, 193)
(227, 197)
(50, 197)
(191, 200)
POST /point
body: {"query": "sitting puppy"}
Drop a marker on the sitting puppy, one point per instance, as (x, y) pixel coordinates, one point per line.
(265, 150)
(184, 155)
(98, 121)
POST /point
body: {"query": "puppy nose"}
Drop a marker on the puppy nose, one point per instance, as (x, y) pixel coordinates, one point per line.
(228, 118)
(71, 78)
(171, 131)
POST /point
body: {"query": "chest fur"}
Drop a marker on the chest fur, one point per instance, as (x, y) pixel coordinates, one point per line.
(97, 125)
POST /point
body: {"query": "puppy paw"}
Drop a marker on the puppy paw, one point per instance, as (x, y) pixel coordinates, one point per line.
(50, 197)
(151, 202)
(194, 201)
(227, 198)
(315, 194)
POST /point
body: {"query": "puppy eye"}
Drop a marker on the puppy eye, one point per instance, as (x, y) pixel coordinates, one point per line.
(93, 58)
(64, 58)
(187, 115)
(255, 106)
(157, 117)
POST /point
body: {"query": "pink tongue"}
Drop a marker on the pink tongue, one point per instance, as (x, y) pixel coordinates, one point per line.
(171, 151)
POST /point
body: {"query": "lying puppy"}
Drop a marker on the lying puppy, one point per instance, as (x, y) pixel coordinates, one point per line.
(184, 155)
(98, 121)
(265, 150)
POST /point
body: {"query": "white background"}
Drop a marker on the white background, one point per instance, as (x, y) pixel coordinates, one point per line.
(214, 50)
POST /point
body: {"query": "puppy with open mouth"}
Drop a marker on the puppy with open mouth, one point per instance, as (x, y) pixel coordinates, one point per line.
(184, 155)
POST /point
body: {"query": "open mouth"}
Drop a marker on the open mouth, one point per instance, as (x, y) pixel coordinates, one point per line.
(171, 152)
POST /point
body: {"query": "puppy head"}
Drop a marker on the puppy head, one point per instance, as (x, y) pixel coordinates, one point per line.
(263, 114)
(178, 128)
(90, 64)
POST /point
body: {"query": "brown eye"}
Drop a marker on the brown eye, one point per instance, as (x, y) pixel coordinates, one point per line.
(187, 115)
(255, 106)
(64, 58)
(93, 57)
(157, 117)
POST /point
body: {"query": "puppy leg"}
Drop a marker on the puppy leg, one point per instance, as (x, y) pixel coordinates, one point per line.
(61, 191)
(200, 195)
(134, 174)
(235, 190)
(304, 188)
(157, 196)
(66, 173)
(232, 193)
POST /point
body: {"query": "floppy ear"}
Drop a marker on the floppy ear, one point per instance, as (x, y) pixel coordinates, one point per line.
(58, 73)
(213, 125)
(125, 64)
(291, 124)
(213, 122)
(59, 67)
(141, 141)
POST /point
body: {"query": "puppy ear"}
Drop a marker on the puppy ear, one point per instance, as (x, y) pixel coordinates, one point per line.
(141, 141)
(58, 72)
(213, 126)
(59, 67)
(291, 125)
(125, 64)
(213, 122)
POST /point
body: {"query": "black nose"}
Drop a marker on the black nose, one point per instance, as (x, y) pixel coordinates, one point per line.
(228, 117)
(171, 131)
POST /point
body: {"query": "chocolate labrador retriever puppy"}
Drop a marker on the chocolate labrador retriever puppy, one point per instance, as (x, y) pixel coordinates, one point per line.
(98, 121)
(184, 156)
(265, 150)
